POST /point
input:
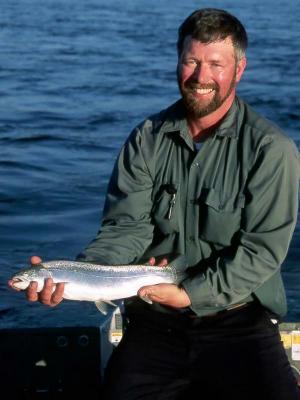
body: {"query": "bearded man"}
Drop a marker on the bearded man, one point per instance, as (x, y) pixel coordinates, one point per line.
(210, 179)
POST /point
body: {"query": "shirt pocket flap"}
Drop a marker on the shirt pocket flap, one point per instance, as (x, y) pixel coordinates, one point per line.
(222, 201)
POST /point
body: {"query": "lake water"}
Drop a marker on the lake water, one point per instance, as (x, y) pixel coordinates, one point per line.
(76, 77)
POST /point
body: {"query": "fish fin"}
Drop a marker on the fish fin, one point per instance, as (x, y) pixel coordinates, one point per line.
(111, 303)
(106, 306)
(146, 299)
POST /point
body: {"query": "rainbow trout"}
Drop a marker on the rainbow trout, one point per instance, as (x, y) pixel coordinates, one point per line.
(98, 283)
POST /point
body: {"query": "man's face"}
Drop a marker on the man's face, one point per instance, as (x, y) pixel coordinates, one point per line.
(207, 75)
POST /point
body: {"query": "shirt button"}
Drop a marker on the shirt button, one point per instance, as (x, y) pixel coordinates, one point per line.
(191, 239)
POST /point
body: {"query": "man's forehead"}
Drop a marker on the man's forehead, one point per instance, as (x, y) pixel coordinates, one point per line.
(219, 44)
(188, 40)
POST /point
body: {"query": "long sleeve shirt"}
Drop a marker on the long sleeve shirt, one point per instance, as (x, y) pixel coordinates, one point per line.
(230, 208)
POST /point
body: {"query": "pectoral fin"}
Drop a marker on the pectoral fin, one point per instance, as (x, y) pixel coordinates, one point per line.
(105, 307)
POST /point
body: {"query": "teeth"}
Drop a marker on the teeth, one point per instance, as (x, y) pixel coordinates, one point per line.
(203, 91)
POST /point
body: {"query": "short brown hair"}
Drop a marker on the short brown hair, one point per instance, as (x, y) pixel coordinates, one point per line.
(210, 25)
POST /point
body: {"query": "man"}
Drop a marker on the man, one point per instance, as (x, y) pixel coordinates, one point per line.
(210, 179)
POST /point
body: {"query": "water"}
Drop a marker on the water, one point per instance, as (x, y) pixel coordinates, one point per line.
(76, 77)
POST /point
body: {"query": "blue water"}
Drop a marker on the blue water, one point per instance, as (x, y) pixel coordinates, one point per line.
(76, 77)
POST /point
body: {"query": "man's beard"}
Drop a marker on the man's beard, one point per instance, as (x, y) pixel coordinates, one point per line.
(194, 106)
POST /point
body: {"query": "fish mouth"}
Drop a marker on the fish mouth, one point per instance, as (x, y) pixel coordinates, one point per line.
(15, 281)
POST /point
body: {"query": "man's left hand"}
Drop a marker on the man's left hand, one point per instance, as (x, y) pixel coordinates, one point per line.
(167, 294)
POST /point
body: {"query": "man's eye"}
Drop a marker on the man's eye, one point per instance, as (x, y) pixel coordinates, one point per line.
(190, 62)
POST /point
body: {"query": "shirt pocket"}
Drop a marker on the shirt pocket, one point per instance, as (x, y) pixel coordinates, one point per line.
(219, 216)
(166, 208)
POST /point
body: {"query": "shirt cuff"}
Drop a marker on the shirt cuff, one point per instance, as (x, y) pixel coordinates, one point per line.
(200, 293)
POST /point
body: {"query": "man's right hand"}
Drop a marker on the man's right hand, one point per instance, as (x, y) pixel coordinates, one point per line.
(50, 295)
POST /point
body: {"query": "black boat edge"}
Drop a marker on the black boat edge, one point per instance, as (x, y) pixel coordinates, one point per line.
(57, 363)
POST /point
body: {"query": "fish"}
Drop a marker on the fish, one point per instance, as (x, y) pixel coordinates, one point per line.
(101, 284)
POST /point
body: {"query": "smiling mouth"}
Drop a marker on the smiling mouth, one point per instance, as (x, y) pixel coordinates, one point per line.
(203, 91)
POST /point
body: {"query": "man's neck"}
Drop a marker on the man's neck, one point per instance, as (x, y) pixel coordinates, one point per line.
(201, 128)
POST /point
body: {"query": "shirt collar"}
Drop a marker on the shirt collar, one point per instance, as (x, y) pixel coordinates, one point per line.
(176, 122)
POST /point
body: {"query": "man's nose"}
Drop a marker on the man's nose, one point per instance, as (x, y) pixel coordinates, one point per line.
(202, 73)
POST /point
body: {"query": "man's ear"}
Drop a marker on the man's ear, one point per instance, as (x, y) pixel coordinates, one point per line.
(240, 68)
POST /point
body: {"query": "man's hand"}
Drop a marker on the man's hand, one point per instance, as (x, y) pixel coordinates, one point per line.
(168, 294)
(50, 295)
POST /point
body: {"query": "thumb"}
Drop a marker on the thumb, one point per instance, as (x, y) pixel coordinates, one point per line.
(35, 260)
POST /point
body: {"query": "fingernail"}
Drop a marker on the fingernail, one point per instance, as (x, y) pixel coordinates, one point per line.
(146, 299)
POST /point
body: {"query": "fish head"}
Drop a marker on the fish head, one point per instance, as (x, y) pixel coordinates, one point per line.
(22, 279)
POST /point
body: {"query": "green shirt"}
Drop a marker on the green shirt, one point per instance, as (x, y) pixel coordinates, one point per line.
(230, 208)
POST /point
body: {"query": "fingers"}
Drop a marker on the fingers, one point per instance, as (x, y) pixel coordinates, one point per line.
(146, 299)
(152, 261)
(163, 263)
(46, 293)
(153, 293)
(31, 291)
(165, 293)
(147, 292)
(57, 295)
(50, 295)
